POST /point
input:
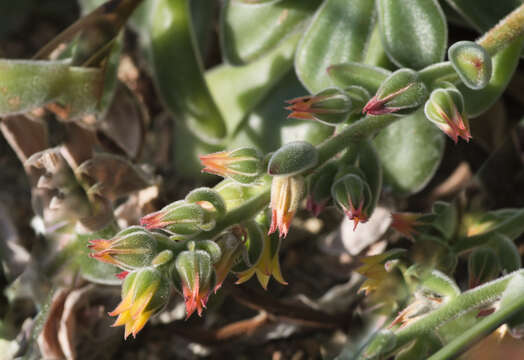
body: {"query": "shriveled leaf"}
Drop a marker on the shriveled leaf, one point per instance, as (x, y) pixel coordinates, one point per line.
(125, 121)
(339, 32)
(24, 135)
(248, 32)
(114, 176)
(410, 151)
(414, 32)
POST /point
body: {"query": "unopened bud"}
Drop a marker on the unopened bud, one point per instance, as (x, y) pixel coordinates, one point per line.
(330, 106)
(472, 63)
(179, 218)
(293, 158)
(401, 93)
(354, 197)
(132, 248)
(243, 165)
(445, 108)
(195, 276)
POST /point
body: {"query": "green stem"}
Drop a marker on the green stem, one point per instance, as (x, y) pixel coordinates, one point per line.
(442, 71)
(352, 135)
(479, 330)
(246, 211)
(512, 227)
(505, 32)
(471, 299)
(500, 36)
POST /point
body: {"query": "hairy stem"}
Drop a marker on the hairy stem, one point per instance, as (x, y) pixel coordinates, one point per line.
(507, 30)
(485, 326)
(477, 297)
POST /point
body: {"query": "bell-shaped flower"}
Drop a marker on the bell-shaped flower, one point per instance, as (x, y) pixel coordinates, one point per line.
(195, 276)
(286, 194)
(353, 195)
(243, 165)
(445, 109)
(144, 293)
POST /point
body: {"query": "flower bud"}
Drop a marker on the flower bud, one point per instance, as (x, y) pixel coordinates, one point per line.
(292, 158)
(181, 219)
(445, 108)
(483, 266)
(243, 165)
(286, 193)
(472, 63)
(330, 106)
(401, 93)
(195, 277)
(354, 196)
(132, 248)
(319, 188)
(144, 293)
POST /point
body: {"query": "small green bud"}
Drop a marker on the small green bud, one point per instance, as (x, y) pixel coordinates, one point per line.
(243, 165)
(401, 93)
(162, 258)
(359, 98)
(354, 197)
(330, 106)
(253, 247)
(483, 266)
(293, 158)
(445, 108)
(472, 63)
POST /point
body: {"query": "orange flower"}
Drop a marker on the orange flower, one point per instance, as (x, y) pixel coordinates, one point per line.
(286, 193)
(144, 293)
